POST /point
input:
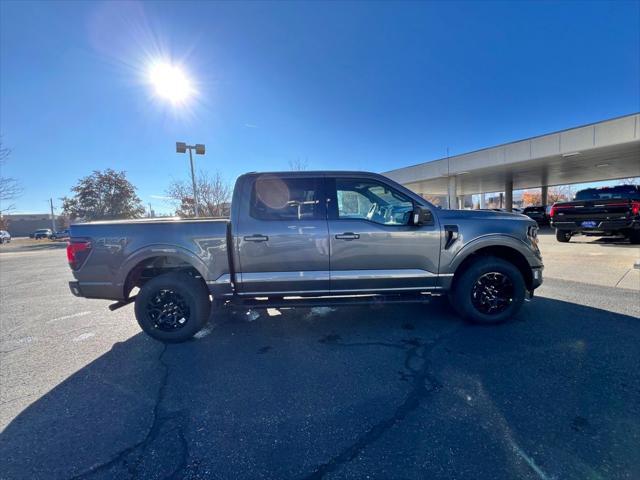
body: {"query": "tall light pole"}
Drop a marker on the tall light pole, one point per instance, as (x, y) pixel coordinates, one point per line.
(53, 218)
(182, 147)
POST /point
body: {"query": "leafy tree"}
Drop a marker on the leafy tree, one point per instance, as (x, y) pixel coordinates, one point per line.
(103, 195)
(214, 195)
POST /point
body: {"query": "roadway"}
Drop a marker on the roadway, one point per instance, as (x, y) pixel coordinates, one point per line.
(369, 392)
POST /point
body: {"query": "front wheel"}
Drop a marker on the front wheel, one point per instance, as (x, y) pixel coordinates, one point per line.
(491, 290)
(563, 235)
(172, 307)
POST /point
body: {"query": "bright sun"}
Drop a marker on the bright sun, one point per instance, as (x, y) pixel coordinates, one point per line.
(171, 83)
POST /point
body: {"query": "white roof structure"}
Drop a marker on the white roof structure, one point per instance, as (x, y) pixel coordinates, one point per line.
(606, 150)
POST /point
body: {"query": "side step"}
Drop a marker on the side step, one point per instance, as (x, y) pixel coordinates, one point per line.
(117, 305)
(333, 300)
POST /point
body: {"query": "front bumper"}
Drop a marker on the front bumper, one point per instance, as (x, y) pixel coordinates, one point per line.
(536, 277)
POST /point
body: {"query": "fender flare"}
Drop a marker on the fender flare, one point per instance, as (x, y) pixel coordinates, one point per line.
(160, 250)
(492, 240)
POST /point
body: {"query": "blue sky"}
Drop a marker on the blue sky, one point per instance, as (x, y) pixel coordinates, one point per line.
(359, 85)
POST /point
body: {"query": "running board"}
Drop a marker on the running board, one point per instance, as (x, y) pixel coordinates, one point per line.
(117, 305)
(309, 302)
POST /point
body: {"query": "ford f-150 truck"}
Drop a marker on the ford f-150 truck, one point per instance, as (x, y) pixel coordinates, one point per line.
(305, 239)
(599, 212)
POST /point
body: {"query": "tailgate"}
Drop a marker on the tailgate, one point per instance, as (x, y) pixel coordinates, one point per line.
(592, 210)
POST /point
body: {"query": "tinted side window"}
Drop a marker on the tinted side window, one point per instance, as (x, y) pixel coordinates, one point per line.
(372, 201)
(275, 198)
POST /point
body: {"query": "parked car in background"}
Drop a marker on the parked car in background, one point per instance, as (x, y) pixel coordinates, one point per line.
(5, 237)
(308, 239)
(60, 235)
(599, 212)
(537, 213)
(42, 233)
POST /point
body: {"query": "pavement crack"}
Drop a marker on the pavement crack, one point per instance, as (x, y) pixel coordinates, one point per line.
(423, 383)
(622, 277)
(138, 450)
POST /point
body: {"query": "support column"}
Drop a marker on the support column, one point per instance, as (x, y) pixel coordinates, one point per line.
(544, 191)
(508, 195)
(482, 204)
(451, 193)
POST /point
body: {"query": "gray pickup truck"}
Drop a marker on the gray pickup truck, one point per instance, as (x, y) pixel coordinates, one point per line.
(307, 239)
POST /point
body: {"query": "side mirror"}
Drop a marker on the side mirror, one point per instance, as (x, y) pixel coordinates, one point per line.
(421, 216)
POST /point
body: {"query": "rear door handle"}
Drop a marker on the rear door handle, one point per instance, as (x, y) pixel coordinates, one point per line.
(347, 236)
(256, 238)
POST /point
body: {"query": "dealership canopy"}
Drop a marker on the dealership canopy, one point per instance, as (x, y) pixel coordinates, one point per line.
(605, 150)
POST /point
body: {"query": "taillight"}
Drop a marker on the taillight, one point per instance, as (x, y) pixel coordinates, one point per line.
(635, 207)
(555, 208)
(77, 251)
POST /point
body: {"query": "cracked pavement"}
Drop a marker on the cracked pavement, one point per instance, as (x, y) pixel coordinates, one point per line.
(398, 391)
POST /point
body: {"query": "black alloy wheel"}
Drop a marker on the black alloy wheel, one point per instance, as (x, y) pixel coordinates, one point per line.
(492, 293)
(168, 310)
(488, 291)
(172, 307)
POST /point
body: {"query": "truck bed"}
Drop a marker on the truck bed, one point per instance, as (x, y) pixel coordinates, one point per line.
(119, 249)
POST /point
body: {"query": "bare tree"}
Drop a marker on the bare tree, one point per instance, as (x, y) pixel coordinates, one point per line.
(10, 188)
(298, 164)
(628, 181)
(560, 193)
(214, 195)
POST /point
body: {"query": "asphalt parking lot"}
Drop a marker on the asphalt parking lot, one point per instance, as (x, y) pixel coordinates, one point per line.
(358, 392)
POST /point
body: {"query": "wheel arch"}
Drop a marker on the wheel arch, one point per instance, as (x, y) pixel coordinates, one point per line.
(504, 252)
(144, 265)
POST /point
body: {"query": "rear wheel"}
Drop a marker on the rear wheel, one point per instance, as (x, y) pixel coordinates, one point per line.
(634, 237)
(172, 307)
(563, 235)
(489, 291)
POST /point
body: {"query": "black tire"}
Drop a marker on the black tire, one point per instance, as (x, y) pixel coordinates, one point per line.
(172, 307)
(563, 235)
(634, 237)
(468, 297)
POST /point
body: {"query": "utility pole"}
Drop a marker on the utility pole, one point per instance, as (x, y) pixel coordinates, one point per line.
(53, 218)
(182, 147)
(193, 181)
(150, 211)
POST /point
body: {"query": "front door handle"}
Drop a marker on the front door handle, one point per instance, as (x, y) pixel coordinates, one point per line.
(347, 236)
(256, 238)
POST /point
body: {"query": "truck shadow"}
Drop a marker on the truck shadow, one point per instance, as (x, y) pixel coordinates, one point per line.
(148, 410)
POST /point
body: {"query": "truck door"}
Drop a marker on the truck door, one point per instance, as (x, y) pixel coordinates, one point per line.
(374, 245)
(282, 237)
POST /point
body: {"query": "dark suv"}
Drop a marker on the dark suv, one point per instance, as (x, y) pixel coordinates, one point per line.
(537, 213)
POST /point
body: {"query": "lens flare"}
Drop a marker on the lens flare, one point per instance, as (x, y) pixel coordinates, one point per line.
(171, 83)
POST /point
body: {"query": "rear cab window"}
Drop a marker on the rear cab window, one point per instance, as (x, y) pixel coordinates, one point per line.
(276, 198)
(622, 192)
